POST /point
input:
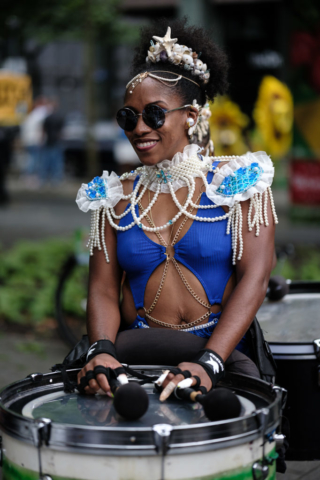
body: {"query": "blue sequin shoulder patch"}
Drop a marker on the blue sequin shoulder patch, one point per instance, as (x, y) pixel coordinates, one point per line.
(241, 180)
(98, 189)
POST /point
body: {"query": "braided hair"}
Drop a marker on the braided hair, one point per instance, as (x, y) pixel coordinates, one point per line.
(198, 40)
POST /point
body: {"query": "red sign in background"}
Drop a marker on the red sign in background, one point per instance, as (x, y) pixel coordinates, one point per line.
(304, 182)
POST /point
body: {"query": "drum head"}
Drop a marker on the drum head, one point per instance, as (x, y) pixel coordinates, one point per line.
(295, 318)
(91, 422)
(98, 410)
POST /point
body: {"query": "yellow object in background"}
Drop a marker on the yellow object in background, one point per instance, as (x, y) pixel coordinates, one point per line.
(273, 115)
(226, 126)
(15, 98)
(307, 118)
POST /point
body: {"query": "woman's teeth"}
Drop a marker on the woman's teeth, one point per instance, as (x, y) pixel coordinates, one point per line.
(145, 144)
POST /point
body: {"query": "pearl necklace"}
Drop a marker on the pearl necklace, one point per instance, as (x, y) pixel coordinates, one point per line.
(185, 172)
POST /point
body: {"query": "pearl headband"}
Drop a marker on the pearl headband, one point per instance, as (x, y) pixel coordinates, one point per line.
(166, 81)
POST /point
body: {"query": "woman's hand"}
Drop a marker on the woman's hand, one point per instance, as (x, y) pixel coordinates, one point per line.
(172, 380)
(100, 382)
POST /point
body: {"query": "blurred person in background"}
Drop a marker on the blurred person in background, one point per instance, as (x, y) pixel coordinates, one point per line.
(32, 139)
(52, 155)
(7, 135)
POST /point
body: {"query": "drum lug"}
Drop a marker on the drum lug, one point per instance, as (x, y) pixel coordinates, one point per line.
(162, 433)
(35, 377)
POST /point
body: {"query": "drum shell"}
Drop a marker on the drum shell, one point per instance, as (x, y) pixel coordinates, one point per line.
(298, 373)
(21, 461)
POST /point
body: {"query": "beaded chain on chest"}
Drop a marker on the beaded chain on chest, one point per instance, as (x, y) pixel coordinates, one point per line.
(170, 258)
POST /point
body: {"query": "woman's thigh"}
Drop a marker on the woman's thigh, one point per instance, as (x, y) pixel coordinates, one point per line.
(155, 346)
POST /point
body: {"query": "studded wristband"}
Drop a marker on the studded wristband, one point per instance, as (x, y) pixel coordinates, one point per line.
(101, 346)
(212, 363)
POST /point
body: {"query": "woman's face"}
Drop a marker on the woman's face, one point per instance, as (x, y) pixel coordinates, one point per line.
(153, 146)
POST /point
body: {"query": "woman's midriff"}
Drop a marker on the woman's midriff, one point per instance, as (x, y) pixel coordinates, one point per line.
(175, 304)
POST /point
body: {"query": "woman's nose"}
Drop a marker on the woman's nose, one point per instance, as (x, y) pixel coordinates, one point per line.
(142, 127)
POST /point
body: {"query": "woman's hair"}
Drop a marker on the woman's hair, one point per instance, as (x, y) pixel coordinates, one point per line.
(198, 40)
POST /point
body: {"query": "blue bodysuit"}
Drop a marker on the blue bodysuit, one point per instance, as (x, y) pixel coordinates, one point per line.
(205, 249)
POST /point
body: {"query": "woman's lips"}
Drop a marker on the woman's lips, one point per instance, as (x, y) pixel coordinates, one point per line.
(144, 146)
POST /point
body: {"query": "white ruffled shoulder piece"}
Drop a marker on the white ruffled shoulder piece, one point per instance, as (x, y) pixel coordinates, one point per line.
(241, 179)
(105, 191)
(160, 170)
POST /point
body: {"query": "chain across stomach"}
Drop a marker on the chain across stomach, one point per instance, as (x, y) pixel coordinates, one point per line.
(175, 305)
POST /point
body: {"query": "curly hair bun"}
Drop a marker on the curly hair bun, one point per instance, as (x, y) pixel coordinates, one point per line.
(199, 41)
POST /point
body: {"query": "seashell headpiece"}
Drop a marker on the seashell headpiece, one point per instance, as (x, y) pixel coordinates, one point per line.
(166, 49)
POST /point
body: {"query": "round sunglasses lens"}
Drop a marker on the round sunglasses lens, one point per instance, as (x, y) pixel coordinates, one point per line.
(154, 116)
(126, 119)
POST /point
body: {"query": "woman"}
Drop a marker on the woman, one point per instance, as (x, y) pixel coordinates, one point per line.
(194, 235)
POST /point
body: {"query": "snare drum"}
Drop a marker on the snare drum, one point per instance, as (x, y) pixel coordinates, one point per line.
(47, 433)
(292, 328)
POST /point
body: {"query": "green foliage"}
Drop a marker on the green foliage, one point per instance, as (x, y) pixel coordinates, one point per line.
(54, 19)
(28, 280)
(303, 265)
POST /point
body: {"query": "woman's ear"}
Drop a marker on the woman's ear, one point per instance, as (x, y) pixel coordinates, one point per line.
(192, 117)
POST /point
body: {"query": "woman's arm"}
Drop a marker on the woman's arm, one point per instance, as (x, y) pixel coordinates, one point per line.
(103, 313)
(252, 272)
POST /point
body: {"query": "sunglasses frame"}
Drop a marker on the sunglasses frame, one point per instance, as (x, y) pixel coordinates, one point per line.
(136, 115)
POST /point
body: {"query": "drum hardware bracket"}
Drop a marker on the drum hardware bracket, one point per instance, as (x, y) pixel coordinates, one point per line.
(41, 435)
(316, 346)
(284, 397)
(279, 439)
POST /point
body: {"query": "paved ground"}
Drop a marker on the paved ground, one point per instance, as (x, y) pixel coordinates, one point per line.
(52, 212)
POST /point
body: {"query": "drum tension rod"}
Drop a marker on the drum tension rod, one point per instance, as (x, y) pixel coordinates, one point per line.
(162, 433)
(260, 469)
(41, 435)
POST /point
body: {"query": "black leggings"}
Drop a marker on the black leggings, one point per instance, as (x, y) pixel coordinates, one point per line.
(156, 346)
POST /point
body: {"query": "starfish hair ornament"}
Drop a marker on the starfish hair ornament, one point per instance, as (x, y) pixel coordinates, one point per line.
(166, 49)
(167, 42)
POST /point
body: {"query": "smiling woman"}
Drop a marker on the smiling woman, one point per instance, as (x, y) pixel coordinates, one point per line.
(175, 236)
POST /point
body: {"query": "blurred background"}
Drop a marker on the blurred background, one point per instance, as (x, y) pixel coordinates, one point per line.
(64, 65)
(63, 70)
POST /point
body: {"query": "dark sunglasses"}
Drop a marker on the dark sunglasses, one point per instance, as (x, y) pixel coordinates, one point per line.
(153, 116)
